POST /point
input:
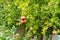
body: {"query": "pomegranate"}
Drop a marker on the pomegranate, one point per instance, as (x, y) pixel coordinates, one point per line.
(53, 32)
(23, 20)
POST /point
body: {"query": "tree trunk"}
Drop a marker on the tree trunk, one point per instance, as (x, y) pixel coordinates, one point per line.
(20, 33)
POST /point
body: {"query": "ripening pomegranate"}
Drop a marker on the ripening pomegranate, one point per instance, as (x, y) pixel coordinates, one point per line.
(23, 20)
(30, 28)
(53, 32)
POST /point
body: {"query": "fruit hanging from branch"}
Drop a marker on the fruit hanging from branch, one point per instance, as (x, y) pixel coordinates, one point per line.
(54, 32)
(30, 28)
(23, 20)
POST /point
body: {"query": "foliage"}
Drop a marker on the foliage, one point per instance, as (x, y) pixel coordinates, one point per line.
(42, 15)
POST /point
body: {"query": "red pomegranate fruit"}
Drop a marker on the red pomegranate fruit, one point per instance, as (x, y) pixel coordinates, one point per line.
(23, 20)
